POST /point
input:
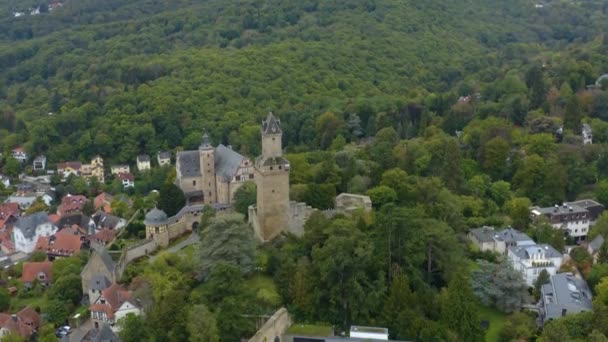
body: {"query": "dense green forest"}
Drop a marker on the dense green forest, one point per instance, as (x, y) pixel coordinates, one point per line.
(444, 112)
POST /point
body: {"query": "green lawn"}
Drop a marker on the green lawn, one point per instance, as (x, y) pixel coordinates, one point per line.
(36, 301)
(497, 320)
(265, 289)
(309, 330)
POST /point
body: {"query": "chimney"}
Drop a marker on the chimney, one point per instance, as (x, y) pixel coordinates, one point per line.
(564, 311)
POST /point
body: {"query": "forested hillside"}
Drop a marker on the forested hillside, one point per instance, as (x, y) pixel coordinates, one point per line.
(450, 115)
(124, 77)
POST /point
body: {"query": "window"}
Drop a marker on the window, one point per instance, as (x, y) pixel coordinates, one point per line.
(271, 168)
(251, 176)
(280, 167)
(272, 138)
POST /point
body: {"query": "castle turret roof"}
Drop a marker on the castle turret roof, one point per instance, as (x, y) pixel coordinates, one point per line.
(155, 216)
(271, 125)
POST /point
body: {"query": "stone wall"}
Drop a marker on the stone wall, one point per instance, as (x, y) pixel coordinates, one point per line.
(134, 252)
(347, 203)
(276, 326)
(299, 212)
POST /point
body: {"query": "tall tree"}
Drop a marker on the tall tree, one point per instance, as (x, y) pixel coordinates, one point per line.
(499, 285)
(202, 325)
(227, 239)
(458, 310)
(573, 115)
(244, 197)
(171, 199)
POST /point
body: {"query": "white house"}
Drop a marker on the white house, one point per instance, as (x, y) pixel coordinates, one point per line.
(571, 217)
(530, 260)
(114, 303)
(39, 163)
(489, 239)
(143, 162)
(587, 134)
(28, 229)
(19, 154)
(5, 181)
(127, 180)
(163, 158)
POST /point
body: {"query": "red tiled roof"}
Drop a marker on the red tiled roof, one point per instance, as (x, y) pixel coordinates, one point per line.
(115, 296)
(65, 242)
(32, 269)
(24, 323)
(102, 199)
(105, 235)
(30, 316)
(71, 203)
(42, 243)
(54, 218)
(18, 149)
(10, 208)
(76, 165)
(103, 308)
(126, 176)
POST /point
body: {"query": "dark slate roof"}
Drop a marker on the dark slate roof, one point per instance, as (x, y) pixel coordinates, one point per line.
(103, 219)
(79, 219)
(484, 234)
(106, 258)
(99, 282)
(189, 163)
(512, 235)
(596, 243)
(143, 158)
(164, 155)
(27, 224)
(103, 334)
(155, 216)
(262, 161)
(561, 209)
(525, 252)
(206, 144)
(271, 125)
(565, 292)
(227, 162)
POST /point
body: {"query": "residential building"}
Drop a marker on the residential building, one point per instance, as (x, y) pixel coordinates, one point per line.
(489, 239)
(104, 220)
(114, 303)
(100, 263)
(98, 283)
(37, 271)
(563, 295)
(127, 180)
(78, 221)
(595, 246)
(587, 133)
(143, 162)
(118, 169)
(103, 334)
(39, 163)
(5, 181)
(163, 158)
(24, 323)
(594, 208)
(69, 168)
(530, 260)
(71, 204)
(19, 154)
(104, 236)
(211, 175)
(23, 200)
(103, 202)
(486, 239)
(514, 238)
(64, 243)
(8, 213)
(27, 230)
(572, 218)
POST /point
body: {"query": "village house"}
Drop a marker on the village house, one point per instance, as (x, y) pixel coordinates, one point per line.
(163, 158)
(118, 169)
(594, 208)
(100, 264)
(76, 168)
(572, 218)
(563, 295)
(27, 230)
(114, 303)
(127, 180)
(71, 204)
(69, 168)
(104, 220)
(210, 174)
(39, 163)
(64, 243)
(595, 246)
(104, 236)
(531, 260)
(488, 239)
(19, 154)
(143, 162)
(24, 323)
(37, 271)
(103, 201)
(587, 133)
(5, 181)
(8, 214)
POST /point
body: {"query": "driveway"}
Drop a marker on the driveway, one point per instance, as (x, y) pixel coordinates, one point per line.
(192, 239)
(78, 333)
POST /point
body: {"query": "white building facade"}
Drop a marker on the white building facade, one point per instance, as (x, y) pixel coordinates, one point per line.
(531, 260)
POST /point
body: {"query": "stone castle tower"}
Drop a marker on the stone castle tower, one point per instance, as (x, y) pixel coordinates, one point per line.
(272, 179)
(207, 164)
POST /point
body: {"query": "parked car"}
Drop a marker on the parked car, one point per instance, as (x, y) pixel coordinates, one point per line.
(63, 331)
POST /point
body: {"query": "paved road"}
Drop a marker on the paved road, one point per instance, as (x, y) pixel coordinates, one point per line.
(78, 333)
(192, 239)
